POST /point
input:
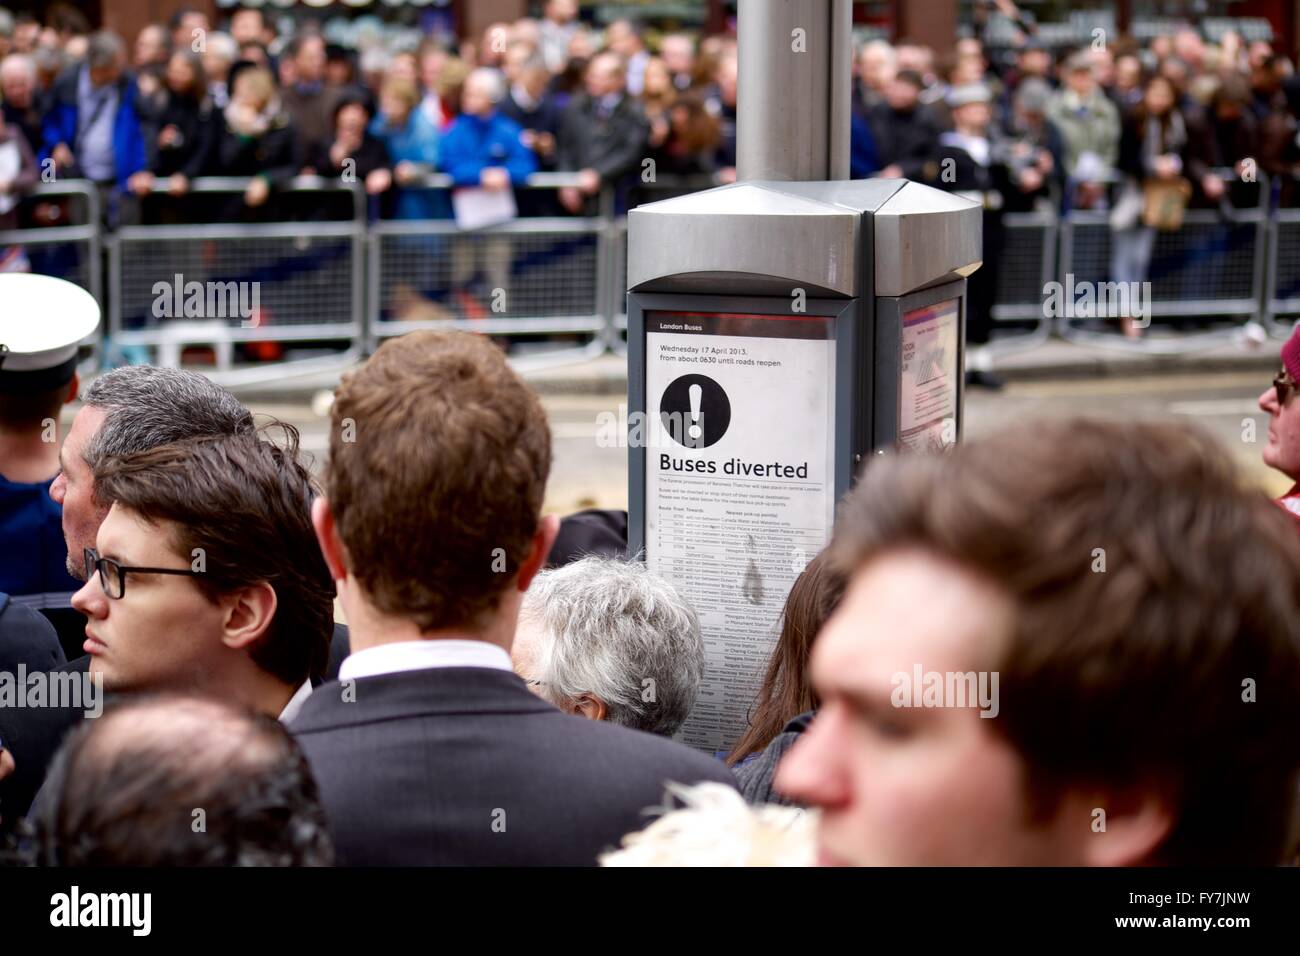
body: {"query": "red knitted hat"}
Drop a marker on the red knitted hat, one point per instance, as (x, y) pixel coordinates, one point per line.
(1291, 355)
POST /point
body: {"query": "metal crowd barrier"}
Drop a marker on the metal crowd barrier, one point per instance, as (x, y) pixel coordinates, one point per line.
(1026, 264)
(1282, 275)
(1212, 268)
(557, 284)
(535, 276)
(258, 282)
(69, 252)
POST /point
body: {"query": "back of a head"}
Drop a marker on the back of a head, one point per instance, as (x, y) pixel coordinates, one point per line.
(439, 455)
(243, 504)
(619, 632)
(147, 405)
(177, 781)
(1152, 593)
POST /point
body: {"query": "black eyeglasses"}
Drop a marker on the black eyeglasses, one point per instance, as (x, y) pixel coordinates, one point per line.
(112, 576)
(1285, 386)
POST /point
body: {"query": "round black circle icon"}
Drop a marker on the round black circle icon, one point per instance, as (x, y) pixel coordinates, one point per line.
(695, 411)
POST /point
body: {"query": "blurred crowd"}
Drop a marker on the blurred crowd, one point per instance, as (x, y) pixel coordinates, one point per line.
(190, 97)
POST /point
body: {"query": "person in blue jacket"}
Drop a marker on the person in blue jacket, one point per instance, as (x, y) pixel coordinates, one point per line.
(483, 148)
(92, 126)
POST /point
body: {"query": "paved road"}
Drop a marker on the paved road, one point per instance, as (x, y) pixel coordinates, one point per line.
(587, 475)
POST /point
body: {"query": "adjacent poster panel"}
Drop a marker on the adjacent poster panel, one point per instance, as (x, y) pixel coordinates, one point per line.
(927, 401)
(740, 489)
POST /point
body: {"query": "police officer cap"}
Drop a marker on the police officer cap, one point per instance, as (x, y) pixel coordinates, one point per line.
(42, 321)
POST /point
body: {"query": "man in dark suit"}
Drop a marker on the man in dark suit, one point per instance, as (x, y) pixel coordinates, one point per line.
(429, 749)
(603, 135)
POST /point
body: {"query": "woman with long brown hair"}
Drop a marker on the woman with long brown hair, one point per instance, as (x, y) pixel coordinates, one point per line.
(785, 701)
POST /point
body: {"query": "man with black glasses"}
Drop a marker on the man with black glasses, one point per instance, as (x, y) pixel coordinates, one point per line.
(205, 576)
(1283, 448)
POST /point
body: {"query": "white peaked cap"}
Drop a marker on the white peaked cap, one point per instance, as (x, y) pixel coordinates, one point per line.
(42, 321)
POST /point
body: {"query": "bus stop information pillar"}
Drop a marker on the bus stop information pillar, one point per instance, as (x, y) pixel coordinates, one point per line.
(779, 333)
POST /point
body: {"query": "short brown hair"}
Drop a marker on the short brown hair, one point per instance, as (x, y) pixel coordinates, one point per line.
(1149, 585)
(246, 502)
(439, 455)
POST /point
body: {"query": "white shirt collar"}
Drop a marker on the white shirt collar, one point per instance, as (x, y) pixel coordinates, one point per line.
(295, 702)
(402, 656)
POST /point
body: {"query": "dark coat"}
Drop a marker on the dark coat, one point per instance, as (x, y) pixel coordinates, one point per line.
(464, 766)
(906, 139)
(755, 774)
(613, 147)
(198, 127)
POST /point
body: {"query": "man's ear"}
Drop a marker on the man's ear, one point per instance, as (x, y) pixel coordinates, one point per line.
(74, 389)
(589, 707)
(1124, 829)
(249, 612)
(547, 529)
(327, 536)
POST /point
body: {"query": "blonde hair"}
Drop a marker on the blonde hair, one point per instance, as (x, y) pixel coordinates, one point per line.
(717, 828)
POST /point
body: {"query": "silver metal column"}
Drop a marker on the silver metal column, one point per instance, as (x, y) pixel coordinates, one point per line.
(792, 109)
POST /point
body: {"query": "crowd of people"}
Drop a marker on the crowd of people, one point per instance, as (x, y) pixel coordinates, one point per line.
(191, 97)
(508, 683)
(1141, 132)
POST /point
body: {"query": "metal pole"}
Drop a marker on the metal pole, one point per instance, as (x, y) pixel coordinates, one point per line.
(792, 109)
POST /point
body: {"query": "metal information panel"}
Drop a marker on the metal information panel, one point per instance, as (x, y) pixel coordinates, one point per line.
(740, 488)
(928, 371)
(779, 334)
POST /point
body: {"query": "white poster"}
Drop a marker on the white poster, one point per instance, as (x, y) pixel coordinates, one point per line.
(740, 487)
(927, 401)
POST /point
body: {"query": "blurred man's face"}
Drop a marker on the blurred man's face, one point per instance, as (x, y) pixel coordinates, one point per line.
(1080, 81)
(604, 77)
(192, 25)
(975, 116)
(620, 38)
(1128, 73)
(1283, 449)
(678, 54)
(431, 65)
(901, 95)
(163, 633)
(476, 97)
(151, 46)
(310, 61)
(910, 785)
(26, 35)
(727, 80)
(16, 86)
(75, 486)
(516, 59)
(108, 74)
(246, 26)
(561, 11)
(215, 66)
(876, 67)
(1103, 66)
(1035, 63)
